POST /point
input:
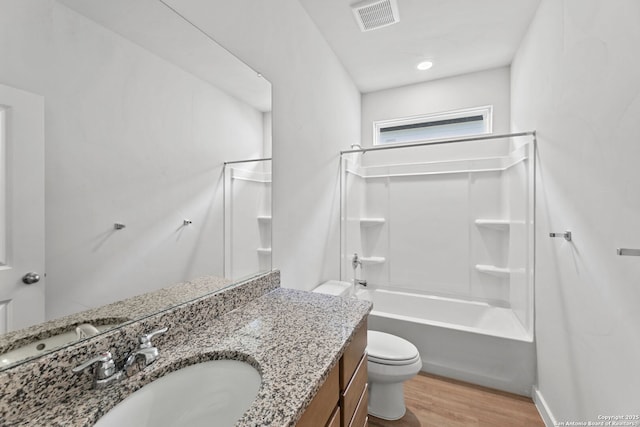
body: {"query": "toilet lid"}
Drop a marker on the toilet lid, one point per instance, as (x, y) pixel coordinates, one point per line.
(387, 349)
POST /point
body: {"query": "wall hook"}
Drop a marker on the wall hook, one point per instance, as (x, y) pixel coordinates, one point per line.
(187, 222)
(566, 235)
(118, 226)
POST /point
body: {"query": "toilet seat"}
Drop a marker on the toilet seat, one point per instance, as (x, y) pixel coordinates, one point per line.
(373, 359)
(387, 349)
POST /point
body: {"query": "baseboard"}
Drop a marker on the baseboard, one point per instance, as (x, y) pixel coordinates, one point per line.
(543, 408)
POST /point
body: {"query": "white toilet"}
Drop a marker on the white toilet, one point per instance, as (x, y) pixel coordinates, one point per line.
(391, 361)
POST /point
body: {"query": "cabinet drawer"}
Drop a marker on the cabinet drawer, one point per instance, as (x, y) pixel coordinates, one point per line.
(335, 418)
(352, 395)
(323, 403)
(360, 418)
(352, 355)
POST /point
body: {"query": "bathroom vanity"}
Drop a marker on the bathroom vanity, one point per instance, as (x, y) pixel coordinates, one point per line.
(308, 349)
(342, 399)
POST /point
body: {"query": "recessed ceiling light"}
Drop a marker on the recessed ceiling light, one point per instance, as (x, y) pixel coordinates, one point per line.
(424, 65)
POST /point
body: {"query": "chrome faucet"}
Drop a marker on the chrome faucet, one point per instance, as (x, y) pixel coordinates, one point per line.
(104, 367)
(355, 262)
(104, 370)
(146, 351)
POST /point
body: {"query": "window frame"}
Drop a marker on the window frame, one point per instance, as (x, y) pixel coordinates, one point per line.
(486, 111)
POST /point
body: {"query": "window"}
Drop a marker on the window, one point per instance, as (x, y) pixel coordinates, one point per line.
(450, 124)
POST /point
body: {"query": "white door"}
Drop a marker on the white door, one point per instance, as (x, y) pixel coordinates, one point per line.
(21, 209)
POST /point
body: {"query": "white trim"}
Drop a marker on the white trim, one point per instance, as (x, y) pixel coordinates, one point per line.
(250, 175)
(486, 111)
(484, 164)
(3, 185)
(542, 407)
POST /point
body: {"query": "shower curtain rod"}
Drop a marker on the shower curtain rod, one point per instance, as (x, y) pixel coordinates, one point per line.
(247, 161)
(439, 142)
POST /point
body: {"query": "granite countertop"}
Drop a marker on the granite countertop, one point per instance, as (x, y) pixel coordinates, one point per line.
(294, 338)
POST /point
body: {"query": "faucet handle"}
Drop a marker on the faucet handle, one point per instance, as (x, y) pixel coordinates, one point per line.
(145, 340)
(355, 261)
(105, 366)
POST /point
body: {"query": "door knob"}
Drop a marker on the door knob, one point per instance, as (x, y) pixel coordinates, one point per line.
(30, 278)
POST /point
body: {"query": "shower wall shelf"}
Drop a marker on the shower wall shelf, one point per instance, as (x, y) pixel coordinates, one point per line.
(264, 251)
(373, 260)
(493, 270)
(264, 218)
(369, 222)
(499, 224)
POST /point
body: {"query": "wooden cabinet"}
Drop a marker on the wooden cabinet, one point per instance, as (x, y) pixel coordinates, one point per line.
(352, 355)
(335, 418)
(324, 403)
(353, 382)
(343, 398)
(360, 417)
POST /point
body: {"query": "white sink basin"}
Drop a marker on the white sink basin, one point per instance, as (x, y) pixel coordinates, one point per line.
(217, 393)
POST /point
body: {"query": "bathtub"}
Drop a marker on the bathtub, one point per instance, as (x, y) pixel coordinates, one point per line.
(465, 340)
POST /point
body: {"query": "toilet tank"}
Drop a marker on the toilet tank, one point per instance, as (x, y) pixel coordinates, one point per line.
(334, 287)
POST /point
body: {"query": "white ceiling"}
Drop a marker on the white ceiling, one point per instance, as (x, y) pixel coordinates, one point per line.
(155, 27)
(459, 36)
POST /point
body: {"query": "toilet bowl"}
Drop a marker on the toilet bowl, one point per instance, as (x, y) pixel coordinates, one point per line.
(391, 361)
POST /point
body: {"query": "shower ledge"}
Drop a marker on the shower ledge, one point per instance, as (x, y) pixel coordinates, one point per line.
(493, 270)
(499, 224)
(373, 259)
(369, 222)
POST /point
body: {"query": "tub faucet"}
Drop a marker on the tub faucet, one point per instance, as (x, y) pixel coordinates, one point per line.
(355, 262)
(146, 351)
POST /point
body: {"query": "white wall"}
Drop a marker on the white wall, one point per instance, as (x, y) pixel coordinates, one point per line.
(575, 80)
(490, 87)
(316, 112)
(130, 138)
(267, 134)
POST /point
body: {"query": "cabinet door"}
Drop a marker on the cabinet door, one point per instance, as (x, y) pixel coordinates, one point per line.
(360, 418)
(354, 393)
(335, 418)
(323, 404)
(352, 355)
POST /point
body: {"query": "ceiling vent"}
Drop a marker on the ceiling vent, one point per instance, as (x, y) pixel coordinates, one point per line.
(374, 14)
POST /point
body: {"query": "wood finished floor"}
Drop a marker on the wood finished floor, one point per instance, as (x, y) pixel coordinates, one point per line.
(441, 402)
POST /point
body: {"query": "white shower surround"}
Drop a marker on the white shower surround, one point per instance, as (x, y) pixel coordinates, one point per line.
(447, 240)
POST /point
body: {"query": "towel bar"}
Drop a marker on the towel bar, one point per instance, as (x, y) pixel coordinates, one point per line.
(628, 252)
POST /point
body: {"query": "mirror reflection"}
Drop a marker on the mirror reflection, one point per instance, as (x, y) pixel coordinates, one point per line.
(117, 119)
(247, 217)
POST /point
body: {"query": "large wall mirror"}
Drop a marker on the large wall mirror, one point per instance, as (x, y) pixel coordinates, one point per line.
(129, 114)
